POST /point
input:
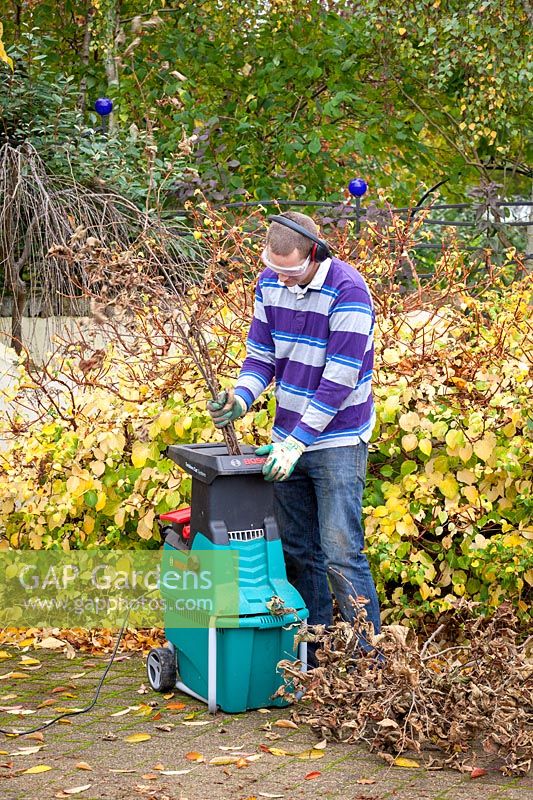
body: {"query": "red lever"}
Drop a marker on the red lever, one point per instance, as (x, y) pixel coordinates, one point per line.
(181, 516)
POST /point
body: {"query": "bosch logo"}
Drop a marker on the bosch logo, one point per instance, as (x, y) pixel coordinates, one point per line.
(254, 460)
(235, 462)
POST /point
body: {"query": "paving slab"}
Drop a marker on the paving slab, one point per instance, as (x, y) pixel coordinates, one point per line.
(98, 738)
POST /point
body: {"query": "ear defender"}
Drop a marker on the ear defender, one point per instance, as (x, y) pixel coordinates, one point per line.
(320, 250)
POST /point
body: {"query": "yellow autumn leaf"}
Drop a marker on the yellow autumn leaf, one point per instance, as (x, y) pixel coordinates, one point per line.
(28, 661)
(425, 446)
(135, 738)
(165, 419)
(36, 770)
(409, 442)
(408, 422)
(3, 55)
(310, 755)
(484, 448)
(448, 486)
(400, 761)
(140, 452)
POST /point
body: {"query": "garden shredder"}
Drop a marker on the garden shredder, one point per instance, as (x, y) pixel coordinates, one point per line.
(228, 661)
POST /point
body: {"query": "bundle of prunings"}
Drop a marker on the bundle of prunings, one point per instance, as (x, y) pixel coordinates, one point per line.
(463, 697)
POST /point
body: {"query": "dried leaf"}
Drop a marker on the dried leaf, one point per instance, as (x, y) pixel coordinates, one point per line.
(38, 736)
(78, 789)
(194, 756)
(477, 772)
(175, 771)
(366, 781)
(222, 761)
(176, 706)
(312, 775)
(134, 738)
(36, 770)
(400, 761)
(285, 723)
(83, 765)
(310, 754)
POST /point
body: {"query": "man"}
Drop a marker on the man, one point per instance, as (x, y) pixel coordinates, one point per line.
(312, 331)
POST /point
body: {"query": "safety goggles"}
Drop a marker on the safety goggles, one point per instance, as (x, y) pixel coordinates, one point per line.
(295, 271)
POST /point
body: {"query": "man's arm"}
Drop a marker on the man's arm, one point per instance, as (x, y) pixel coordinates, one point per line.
(350, 339)
(258, 368)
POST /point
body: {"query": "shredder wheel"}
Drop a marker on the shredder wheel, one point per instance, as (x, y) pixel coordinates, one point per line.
(161, 669)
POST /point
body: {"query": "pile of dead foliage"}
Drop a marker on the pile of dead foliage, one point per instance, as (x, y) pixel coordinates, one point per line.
(463, 696)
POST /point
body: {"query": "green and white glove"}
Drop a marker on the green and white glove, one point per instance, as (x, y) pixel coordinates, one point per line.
(282, 458)
(226, 408)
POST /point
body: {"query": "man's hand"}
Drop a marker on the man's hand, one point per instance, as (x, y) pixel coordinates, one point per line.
(282, 458)
(226, 408)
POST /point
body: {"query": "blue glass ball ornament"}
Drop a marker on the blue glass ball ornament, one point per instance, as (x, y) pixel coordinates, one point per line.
(357, 187)
(103, 106)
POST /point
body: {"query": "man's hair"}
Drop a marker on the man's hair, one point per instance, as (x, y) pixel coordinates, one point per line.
(282, 240)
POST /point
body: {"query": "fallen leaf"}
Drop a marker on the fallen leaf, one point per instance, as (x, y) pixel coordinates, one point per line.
(21, 712)
(229, 747)
(27, 751)
(83, 765)
(399, 761)
(366, 781)
(268, 794)
(242, 762)
(320, 745)
(275, 751)
(222, 761)
(142, 689)
(109, 737)
(156, 716)
(176, 706)
(150, 776)
(198, 722)
(166, 727)
(18, 675)
(50, 643)
(78, 675)
(124, 711)
(477, 772)
(38, 736)
(310, 754)
(168, 696)
(175, 771)
(312, 775)
(78, 789)
(134, 738)
(35, 770)
(144, 710)
(3, 654)
(263, 710)
(49, 702)
(285, 723)
(27, 661)
(194, 756)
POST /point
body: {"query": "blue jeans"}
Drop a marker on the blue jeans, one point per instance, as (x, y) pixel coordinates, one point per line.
(318, 511)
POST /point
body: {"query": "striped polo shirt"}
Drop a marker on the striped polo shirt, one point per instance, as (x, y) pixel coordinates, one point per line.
(316, 342)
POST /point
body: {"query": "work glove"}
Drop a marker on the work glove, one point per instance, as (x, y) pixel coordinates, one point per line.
(226, 408)
(282, 458)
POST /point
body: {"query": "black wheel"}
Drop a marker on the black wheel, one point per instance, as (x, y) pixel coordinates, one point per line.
(161, 669)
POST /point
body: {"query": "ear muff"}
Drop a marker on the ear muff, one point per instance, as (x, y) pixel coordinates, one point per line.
(320, 250)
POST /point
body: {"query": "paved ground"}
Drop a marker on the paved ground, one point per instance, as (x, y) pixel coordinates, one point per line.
(97, 738)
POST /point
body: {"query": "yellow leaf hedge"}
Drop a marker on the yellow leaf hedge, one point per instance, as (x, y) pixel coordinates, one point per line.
(449, 501)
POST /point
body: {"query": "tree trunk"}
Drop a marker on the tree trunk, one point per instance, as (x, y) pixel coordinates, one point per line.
(85, 49)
